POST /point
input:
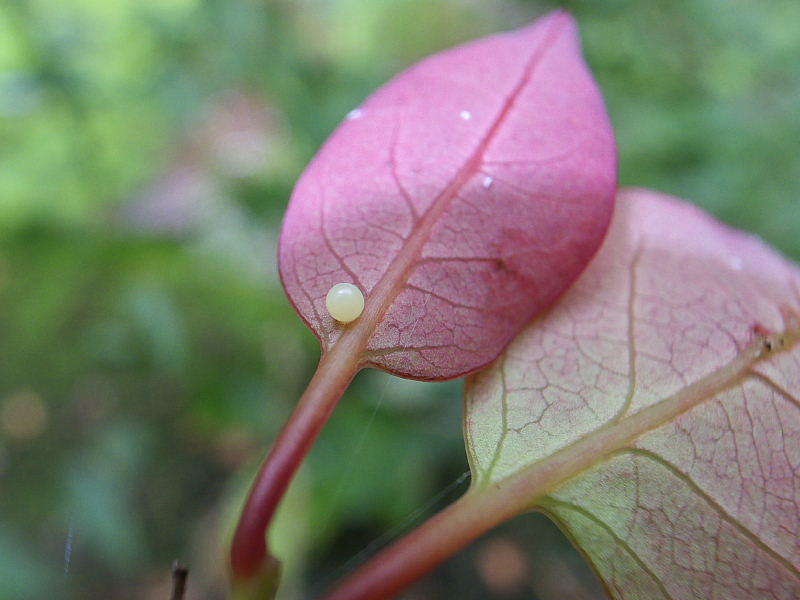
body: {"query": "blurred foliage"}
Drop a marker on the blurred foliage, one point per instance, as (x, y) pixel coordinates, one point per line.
(147, 151)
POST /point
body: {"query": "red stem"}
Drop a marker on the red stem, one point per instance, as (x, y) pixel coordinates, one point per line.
(249, 549)
(425, 548)
(337, 367)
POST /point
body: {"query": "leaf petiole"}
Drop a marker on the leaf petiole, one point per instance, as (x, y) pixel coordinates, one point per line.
(335, 371)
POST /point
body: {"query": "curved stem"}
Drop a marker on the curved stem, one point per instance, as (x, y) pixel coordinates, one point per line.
(335, 371)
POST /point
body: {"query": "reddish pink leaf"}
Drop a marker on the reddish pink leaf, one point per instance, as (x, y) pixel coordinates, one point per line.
(463, 197)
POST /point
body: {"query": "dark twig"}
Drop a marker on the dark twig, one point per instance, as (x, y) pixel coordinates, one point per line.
(180, 573)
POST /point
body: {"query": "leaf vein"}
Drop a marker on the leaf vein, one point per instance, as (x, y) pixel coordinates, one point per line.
(610, 531)
(714, 505)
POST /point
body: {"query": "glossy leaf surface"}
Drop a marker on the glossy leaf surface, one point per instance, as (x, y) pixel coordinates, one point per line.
(655, 410)
(462, 198)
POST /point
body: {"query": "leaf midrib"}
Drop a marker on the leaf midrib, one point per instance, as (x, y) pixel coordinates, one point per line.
(356, 336)
(526, 486)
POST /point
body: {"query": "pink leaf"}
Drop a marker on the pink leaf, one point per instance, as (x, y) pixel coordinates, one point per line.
(655, 411)
(462, 198)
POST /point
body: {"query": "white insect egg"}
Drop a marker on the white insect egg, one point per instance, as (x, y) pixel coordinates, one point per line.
(345, 302)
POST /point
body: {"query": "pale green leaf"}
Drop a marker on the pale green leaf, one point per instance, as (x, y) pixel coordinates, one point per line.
(654, 412)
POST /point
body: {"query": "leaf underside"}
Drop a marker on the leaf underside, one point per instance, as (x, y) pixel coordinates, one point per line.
(462, 198)
(662, 393)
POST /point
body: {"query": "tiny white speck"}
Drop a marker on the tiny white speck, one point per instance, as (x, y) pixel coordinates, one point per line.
(735, 263)
(466, 115)
(487, 182)
(356, 113)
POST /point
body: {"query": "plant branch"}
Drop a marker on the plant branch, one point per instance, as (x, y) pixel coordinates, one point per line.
(180, 574)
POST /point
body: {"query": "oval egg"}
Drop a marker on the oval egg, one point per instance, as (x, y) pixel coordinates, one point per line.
(345, 302)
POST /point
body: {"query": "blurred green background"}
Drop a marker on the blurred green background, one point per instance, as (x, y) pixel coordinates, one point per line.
(147, 353)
